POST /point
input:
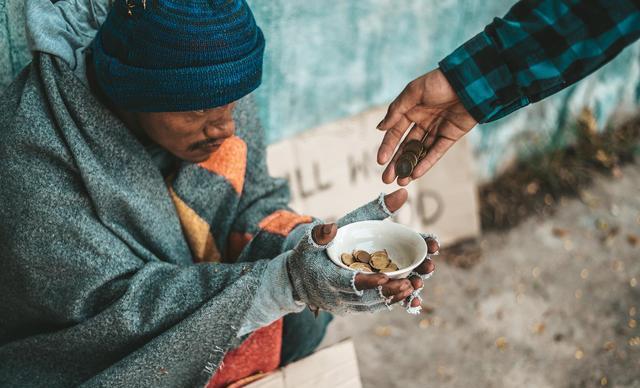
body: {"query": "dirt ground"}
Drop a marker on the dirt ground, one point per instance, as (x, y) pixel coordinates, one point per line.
(554, 302)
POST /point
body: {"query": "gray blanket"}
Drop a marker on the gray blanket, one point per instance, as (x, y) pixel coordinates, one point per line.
(97, 281)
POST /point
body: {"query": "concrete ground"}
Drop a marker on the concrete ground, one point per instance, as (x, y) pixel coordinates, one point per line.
(554, 302)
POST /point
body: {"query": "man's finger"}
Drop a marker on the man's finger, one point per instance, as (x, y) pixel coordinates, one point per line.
(323, 234)
(395, 200)
(391, 140)
(415, 302)
(389, 173)
(364, 281)
(401, 295)
(391, 117)
(395, 286)
(448, 134)
(404, 181)
(432, 245)
(408, 98)
(427, 266)
(416, 282)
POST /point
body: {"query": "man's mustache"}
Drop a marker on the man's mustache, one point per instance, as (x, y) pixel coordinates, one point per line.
(204, 144)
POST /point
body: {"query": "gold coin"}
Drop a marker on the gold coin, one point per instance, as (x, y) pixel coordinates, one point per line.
(379, 261)
(362, 256)
(382, 252)
(390, 268)
(347, 258)
(361, 267)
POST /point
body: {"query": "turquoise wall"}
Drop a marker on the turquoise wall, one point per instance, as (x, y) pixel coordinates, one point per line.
(330, 59)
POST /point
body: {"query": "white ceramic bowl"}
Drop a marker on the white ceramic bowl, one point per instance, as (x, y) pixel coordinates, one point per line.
(405, 246)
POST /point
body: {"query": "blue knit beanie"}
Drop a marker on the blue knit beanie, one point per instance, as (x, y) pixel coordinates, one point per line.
(178, 55)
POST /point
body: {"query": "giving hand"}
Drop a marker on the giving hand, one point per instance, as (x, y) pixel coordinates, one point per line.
(430, 103)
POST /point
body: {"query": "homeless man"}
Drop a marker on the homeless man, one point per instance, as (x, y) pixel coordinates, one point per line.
(143, 242)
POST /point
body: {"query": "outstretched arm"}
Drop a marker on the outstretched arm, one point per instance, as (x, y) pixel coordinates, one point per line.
(538, 48)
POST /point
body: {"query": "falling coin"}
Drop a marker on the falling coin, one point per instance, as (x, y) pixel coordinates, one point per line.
(404, 166)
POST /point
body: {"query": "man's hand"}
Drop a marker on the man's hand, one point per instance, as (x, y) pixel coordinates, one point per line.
(394, 290)
(320, 284)
(428, 102)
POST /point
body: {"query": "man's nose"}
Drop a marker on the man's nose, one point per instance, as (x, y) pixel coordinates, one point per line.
(220, 129)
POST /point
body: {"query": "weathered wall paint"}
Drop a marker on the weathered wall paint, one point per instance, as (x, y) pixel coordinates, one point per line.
(331, 59)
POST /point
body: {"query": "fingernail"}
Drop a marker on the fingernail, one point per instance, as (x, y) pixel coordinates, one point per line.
(383, 156)
(383, 279)
(379, 125)
(326, 228)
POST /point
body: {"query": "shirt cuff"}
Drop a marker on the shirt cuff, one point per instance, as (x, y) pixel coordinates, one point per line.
(274, 297)
(483, 81)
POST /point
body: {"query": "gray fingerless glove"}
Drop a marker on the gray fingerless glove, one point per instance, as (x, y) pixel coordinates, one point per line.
(416, 293)
(320, 283)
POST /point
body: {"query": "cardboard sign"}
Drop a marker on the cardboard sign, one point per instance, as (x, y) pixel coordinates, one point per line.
(332, 367)
(332, 170)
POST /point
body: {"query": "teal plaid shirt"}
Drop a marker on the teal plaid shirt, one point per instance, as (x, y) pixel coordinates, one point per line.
(538, 48)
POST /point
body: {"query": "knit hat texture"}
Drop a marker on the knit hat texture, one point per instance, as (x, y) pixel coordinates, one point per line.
(178, 55)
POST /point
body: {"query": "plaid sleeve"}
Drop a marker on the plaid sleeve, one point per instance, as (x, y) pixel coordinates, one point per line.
(538, 48)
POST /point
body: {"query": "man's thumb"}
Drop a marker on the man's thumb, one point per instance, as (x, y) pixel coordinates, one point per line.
(322, 234)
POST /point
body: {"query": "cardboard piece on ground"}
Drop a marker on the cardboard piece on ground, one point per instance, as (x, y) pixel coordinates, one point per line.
(332, 170)
(332, 367)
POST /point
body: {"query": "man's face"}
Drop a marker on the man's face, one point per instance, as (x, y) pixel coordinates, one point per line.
(191, 136)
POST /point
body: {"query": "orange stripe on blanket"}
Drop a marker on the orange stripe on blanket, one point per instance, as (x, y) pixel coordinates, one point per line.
(258, 354)
(196, 231)
(236, 243)
(229, 161)
(282, 222)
